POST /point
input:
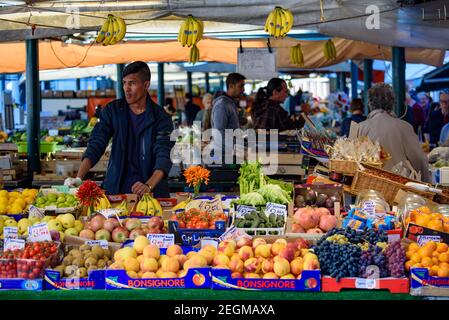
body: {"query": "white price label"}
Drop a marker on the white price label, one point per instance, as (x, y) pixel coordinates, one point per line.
(361, 283)
(35, 212)
(53, 132)
(211, 242)
(39, 232)
(369, 208)
(10, 232)
(232, 233)
(14, 244)
(277, 209)
(101, 243)
(243, 210)
(212, 206)
(422, 240)
(107, 213)
(161, 240)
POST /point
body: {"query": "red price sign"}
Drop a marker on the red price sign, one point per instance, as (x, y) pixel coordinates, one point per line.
(39, 232)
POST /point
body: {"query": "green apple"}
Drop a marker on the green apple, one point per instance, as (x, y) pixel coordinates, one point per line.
(70, 198)
(68, 220)
(54, 225)
(78, 226)
(23, 225)
(48, 218)
(40, 201)
(52, 197)
(72, 232)
(33, 220)
(10, 223)
(61, 199)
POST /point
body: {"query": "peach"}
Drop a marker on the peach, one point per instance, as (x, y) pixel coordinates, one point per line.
(296, 266)
(251, 276)
(227, 249)
(236, 265)
(181, 259)
(210, 248)
(190, 254)
(311, 264)
(221, 266)
(149, 275)
(251, 265)
(161, 259)
(288, 276)
(236, 275)
(131, 264)
(209, 255)
(118, 265)
(159, 272)
(149, 265)
(244, 241)
(262, 250)
(235, 256)
(304, 252)
(170, 264)
(246, 252)
(301, 244)
(258, 242)
(132, 274)
(197, 261)
(182, 273)
(292, 246)
(140, 258)
(281, 241)
(227, 242)
(310, 255)
(139, 274)
(281, 267)
(140, 242)
(267, 266)
(287, 253)
(173, 250)
(168, 274)
(187, 265)
(220, 259)
(270, 275)
(151, 251)
(277, 247)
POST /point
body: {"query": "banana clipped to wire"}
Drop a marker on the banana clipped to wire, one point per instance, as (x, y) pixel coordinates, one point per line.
(112, 31)
(296, 55)
(191, 31)
(103, 203)
(329, 50)
(279, 22)
(194, 54)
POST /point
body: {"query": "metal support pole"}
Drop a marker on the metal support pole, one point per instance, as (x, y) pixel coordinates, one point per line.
(221, 83)
(354, 79)
(33, 102)
(118, 84)
(367, 80)
(343, 82)
(160, 84)
(189, 82)
(78, 84)
(399, 80)
(207, 86)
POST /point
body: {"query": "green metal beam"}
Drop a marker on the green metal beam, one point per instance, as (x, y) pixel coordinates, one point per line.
(33, 101)
(399, 80)
(118, 85)
(354, 79)
(160, 84)
(367, 80)
(189, 82)
(206, 80)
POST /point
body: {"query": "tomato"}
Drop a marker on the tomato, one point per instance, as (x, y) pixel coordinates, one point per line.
(174, 217)
(190, 225)
(182, 224)
(203, 224)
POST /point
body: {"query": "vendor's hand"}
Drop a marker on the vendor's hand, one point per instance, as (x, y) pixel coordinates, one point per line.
(140, 189)
(73, 182)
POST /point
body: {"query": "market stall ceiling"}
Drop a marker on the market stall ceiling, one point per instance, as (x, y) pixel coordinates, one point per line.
(57, 55)
(399, 25)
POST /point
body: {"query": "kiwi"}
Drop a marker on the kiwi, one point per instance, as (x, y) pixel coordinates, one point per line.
(67, 261)
(79, 262)
(99, 251)
(85, 247)
(101, 263)
(70, 271)
(89, 262)
(61, 269)
(91, 255)
(107, 253)
(81, 272)
(75, 253)
(108, 263)
(92, 268)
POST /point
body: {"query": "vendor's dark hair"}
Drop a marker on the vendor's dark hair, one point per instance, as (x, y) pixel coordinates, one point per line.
(381, 96)
(265, 92)
(234, 78)
(357, 104)
(139, 67)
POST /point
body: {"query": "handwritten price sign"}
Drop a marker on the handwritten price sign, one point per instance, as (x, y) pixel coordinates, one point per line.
(101, 243)
(35, 212)
(243, 210)
(39, 232)
(10, 232)
(161, 240)
(14, 244)
(277, 209)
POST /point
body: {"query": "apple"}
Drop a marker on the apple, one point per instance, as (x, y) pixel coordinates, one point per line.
(87, 234)
(54, 225)
(102, 234)
(120, 234)
(155, 222)
(71, 232)
(110, 224)
(132, 223)
(135, 233)
(96, 223)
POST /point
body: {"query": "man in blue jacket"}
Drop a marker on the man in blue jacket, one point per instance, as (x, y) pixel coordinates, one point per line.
(140, 131)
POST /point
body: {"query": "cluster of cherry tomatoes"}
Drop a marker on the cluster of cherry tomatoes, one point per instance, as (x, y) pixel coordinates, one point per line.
(196, 219)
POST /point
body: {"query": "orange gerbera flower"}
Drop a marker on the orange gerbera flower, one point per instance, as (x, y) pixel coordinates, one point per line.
(195, 176)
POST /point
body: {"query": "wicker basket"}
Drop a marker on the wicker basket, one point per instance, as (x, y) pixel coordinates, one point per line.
(349, 167)
(389, 188)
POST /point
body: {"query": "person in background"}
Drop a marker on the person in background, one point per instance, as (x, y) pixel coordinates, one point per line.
(204, 116)
(394, 135)
(357, 116)
(444, 105)
(169, 108)
(420, 110)
(267, 112)
(438, 118)
(296, 102)
(190, 109)
(409, 102)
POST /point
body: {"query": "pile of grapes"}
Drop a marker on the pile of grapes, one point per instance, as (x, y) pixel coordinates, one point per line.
(349, 253)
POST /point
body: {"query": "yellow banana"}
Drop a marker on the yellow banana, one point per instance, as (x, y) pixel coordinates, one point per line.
(184, 32)
(122, 29)
(123, 207)
(150, 205)
(102, 33)
(288, 21)
(110, 32)
(300, 56)
(195, 30)
(116, 27)
(292, 55)
(332, 49)
(282, 23)
(201, 29)
(157, 206)
(189, 32)
(268, 23)
(142, 206)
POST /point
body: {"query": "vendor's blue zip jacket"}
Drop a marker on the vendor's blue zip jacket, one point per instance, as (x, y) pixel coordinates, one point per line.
(154, 142)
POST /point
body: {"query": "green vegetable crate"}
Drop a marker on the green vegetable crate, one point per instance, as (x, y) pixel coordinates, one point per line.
(254, 221)
(45, 147)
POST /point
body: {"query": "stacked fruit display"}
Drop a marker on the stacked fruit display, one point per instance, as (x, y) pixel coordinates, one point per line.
(78, 262)
(313, 220)
(59, 200)
(247, 258)
(197, 219)
(349, 253)
(15, 202)
(111, 229)
(433, 256)
(144, 260)
(423, 216)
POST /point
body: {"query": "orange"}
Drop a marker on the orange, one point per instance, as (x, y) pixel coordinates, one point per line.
(413, 247)
(416, 258)
(435, 254)
(408, 265)
(444, 257)
(425, 252)
(417, 265)
(442, 247)
(446, 227)
(427, 262)
(435, 260)
(436, 224)
(409, 254)
(444, 265)
(434, 271)
(436, 216)
(443, 272)
(423, 209)
(422, 220)
(431, 244)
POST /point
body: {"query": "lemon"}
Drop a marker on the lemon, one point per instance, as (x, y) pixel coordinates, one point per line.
(11, 200)
(14, 194)
(20, 203)
(4, 201)
(15, 209)
(3, 209)
(4, 194)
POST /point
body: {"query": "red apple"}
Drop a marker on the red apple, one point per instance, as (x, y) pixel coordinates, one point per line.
(135, 233)
(155, 222)
(87, 234)
(132, 223)
(110, 224)
(102, 234)
(96, 223)
(120, 234)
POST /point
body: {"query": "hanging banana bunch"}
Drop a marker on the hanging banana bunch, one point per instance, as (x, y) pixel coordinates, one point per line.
(194, 55)
(112, 31)
(279, 22)
(329, 50)
(191, 31)
(296, 55)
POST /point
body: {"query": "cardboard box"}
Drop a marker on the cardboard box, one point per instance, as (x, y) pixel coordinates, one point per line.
(394, 285)
(21, 284)
(418, 233)
(94, 281)
(81, 94)
(423, 284)
(47, 94)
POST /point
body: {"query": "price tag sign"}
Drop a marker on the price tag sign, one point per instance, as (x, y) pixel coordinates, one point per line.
(369, 208)
(101, 243)
(10, 232)
(35, 212)
(53, 132)
(14, 244)
(232, 233)
(212, 206)
(107, 213)
(422, 240)
(161, 240)
(39, 232)
(243, 210)
(277, 209)
(361, 283)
